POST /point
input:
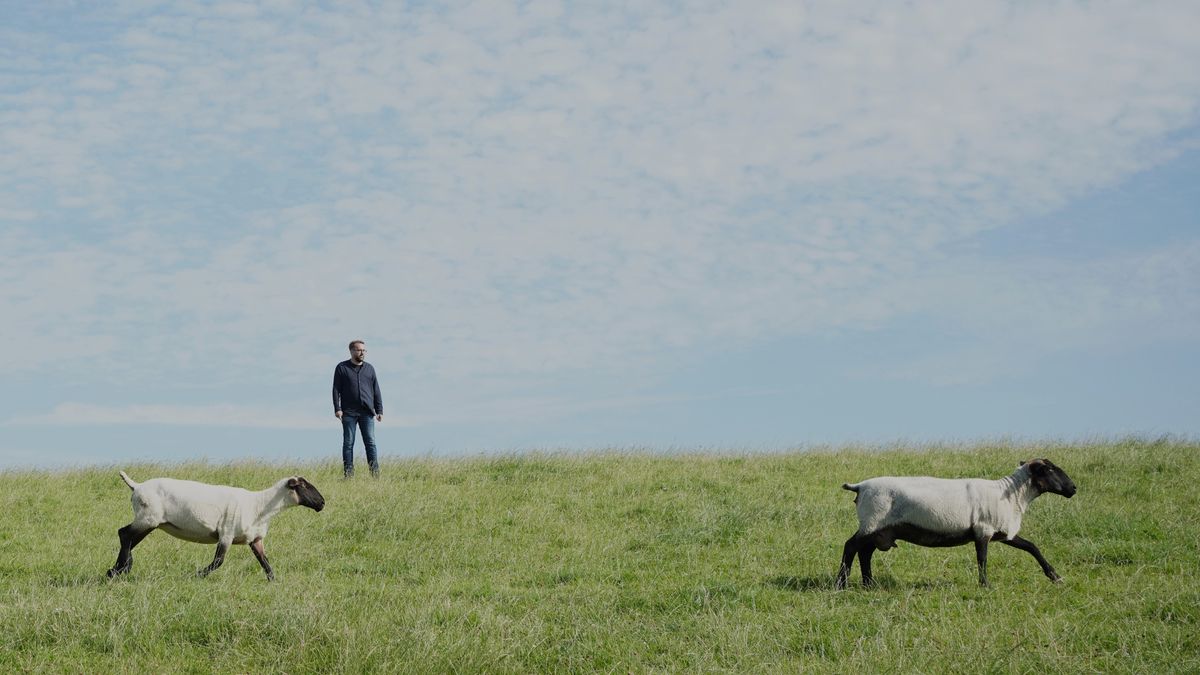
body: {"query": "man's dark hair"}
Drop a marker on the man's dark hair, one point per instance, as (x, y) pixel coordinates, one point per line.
(355, 342)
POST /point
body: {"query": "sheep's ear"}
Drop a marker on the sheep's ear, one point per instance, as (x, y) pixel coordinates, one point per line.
(293, 483)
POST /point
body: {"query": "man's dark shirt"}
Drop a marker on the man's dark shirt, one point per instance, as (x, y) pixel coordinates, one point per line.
(356, 389)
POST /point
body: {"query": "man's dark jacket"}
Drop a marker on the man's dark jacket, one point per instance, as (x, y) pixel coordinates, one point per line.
(356, 389)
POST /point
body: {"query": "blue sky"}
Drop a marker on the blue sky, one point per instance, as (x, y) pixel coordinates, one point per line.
(577, 226)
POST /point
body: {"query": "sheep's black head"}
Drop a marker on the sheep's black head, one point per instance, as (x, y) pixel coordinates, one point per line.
(306, 493)
(1049, 478)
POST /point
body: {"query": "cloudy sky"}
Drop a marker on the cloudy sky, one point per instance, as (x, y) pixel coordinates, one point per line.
(713, 225)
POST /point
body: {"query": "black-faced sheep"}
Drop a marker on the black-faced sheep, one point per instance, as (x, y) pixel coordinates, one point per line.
(949, 512)
(209, 514)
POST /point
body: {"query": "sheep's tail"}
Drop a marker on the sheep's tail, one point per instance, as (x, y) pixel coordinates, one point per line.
(853, 487)
(129, 481)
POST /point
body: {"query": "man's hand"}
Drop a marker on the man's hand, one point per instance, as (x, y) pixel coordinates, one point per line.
(337, 414)
(379, 417)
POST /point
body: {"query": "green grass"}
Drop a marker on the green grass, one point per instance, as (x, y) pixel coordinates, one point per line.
(619, 562)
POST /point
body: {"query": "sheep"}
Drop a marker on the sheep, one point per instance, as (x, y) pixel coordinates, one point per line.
(949, 512)
(209, 514)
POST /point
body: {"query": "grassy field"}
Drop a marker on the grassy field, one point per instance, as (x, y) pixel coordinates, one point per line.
(618, 562)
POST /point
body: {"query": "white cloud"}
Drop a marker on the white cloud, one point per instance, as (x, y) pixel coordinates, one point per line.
(488, 191)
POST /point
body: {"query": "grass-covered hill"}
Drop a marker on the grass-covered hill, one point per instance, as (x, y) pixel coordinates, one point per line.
(613, 561)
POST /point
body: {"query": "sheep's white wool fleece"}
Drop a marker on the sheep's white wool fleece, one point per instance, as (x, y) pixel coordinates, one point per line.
(205, 513)
(946, 505)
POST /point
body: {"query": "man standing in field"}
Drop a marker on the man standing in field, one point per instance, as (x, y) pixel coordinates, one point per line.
(358, 403)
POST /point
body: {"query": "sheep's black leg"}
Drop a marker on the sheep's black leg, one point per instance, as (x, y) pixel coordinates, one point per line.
(981, 546)
(864, 563)
(1028, 546)
(129, 538)
(124, 556)
(257, 547)
(848, 553)
(219, 558)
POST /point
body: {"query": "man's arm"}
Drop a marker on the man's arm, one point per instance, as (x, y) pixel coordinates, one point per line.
(337, 395)
(378, 395)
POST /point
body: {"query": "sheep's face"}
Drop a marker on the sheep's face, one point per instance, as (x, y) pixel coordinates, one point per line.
(1049, 478)
(306, 493)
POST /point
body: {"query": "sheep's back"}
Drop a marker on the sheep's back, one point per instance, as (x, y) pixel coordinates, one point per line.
(936, 504)
(189, 506)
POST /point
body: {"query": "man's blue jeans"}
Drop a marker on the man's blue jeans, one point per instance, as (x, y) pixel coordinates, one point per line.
(366, 422)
